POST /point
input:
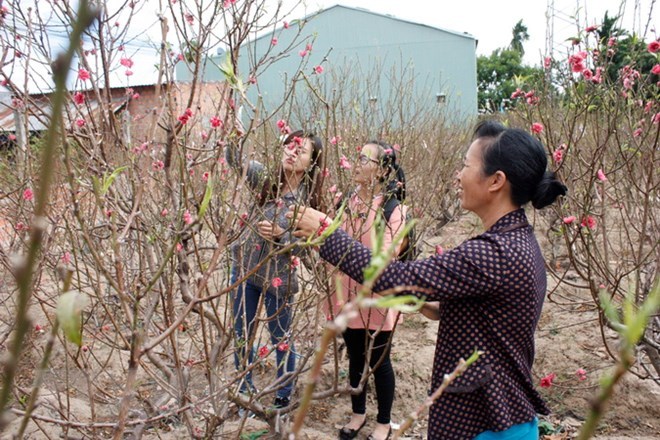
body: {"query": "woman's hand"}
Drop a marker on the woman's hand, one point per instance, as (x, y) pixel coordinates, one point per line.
(431, 310)
(269, 230)
(307, 221)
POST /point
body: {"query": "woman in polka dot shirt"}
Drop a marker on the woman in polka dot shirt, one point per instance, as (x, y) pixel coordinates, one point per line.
(491, 288)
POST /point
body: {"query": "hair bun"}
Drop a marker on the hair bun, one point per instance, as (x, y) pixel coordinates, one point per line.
(547, 191)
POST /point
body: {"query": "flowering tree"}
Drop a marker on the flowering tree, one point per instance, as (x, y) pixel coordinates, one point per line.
(600, 119)
(117, 208)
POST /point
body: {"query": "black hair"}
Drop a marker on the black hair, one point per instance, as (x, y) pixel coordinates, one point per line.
(395, 177)
(522, 158)
(311, 182)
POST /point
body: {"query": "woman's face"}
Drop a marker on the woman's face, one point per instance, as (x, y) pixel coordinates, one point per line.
(368, 170)
(296, 157)
(472, 184)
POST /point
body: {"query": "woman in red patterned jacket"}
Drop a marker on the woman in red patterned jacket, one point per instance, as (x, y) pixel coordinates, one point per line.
(491, 289)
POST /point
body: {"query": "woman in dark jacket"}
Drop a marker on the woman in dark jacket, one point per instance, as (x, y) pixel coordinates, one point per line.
(267, 230)
(491, 289)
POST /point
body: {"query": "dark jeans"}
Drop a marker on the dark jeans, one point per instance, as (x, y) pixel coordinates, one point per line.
(357, 343)
(245, 301)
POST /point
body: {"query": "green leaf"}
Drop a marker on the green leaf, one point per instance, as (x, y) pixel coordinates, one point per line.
(207, 198)
(227, 68)
(108, 181)
(402, 303)
(69, 314)
(254, 435)
(608, 307)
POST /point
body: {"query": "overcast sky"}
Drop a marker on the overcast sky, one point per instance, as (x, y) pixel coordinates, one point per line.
(491, 21)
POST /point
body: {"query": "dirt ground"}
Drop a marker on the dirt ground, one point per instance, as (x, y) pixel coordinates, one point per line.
(568, 338)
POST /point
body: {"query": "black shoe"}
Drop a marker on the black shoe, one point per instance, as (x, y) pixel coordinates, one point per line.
(389, 434)
(348, 433)
(281, 402)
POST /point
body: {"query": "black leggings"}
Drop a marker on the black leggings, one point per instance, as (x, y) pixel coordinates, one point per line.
(357, 342)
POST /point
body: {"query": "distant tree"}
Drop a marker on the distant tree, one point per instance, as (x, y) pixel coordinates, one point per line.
(619, 48)
(498, 75)
(520, 36)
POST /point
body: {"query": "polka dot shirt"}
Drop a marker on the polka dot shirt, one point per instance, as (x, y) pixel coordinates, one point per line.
(491, 290)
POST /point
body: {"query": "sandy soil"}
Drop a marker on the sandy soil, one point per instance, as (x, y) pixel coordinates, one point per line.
(568, 338)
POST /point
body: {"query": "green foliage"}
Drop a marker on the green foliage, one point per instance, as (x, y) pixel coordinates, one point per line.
(208, 193)
(498, 76)
(69, 315)
(520, 35)
(254, 435)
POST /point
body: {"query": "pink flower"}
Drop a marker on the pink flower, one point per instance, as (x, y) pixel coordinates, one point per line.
(205, 176)
(308, 47)
(273, 42)
(281, 124)
(323, 225)
(282, 346)
(439, 250)
(332, 189)
(187, 217)
(80, 122)
(547, 62)
(537, 128)
(656, 69)
(588, 222)
(187, 114)
(318, 70)
(128, 72)
(656, 118)
(83, 74)
(326, 172)
(135, 96)
(243, 220)
(654, 46)
(638, 132)
(601, 175)
(558, 155)
(533, 100)
(276, 282)
(302, 53)
(164, 212)
(335, 140)
(344, 163)
(158, 165)
(587, 74)
(126, 62)
(216, 122)
(577, 67)
(517, 94)
(79, 98)
(295, 262)
(285, 25)
(568, 220)
(591, 28)
(189, 18)
(38, 329)
(611, 42)
(546, 382)
(263, 351)
(12, 137)
(28, 194)
(179, 247)
(581, 374)
(108, 213)
(66, 257)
